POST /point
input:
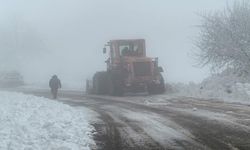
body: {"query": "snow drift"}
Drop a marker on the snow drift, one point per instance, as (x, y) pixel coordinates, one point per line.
(29, 122)
(225, 86)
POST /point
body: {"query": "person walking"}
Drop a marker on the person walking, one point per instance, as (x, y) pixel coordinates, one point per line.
(54, 85)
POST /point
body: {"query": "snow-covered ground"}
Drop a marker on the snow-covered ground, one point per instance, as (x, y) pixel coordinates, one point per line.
(225, 86)
(29, 122)
(237, 92)
(29, 87)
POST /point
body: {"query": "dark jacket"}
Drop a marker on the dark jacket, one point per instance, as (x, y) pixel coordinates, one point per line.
(55, 83)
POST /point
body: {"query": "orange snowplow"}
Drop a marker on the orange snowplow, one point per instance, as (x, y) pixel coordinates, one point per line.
(128, 70)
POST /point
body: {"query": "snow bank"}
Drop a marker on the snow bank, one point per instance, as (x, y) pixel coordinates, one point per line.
(29, 122)
(223, 87)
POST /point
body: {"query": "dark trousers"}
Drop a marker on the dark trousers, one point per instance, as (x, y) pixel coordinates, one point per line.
(54, 93)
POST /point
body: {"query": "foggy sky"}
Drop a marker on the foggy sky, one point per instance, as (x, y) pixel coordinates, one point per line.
(65, 37)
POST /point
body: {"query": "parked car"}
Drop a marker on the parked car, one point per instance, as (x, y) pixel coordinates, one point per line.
(11, 79)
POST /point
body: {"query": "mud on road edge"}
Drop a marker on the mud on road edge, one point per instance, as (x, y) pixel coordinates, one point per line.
(109, 136)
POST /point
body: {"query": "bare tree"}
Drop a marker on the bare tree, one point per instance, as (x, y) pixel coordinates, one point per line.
(224, 38)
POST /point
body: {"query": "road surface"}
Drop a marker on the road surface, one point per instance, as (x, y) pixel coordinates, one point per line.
(162, 122)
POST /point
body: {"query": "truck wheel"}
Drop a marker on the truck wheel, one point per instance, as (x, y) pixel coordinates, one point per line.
(157, 88)
(110, 86)
(100, 83)
(151, 89)
(118, 89)
(115, 84)
(161, 88)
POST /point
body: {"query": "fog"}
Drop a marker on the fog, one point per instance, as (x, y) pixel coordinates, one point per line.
(40, 38)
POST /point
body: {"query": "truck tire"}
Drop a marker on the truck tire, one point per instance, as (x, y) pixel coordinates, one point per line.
(115, 84)
(161, 88)
(100, 83)
(157, 88)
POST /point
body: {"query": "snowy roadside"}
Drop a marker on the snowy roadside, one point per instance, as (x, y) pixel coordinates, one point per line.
(232, 93)
(29, 122)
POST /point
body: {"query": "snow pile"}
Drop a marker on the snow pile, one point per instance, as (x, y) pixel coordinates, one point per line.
(29, 122)
(241, 91)
(227, 87)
